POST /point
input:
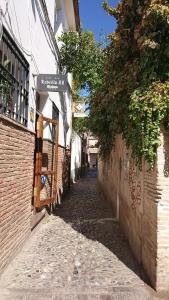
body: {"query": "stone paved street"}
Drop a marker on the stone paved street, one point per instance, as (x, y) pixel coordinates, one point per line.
(77, 254)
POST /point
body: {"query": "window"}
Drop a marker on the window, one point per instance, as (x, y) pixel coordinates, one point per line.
(14, 80)
(55, 112)
(55, 116)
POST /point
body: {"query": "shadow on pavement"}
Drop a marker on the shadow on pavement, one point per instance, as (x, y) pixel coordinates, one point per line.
(88, 214)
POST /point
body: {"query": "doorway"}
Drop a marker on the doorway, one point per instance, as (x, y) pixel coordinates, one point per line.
(46, 162)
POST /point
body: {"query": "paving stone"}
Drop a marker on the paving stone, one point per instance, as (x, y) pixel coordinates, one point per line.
(78, 253)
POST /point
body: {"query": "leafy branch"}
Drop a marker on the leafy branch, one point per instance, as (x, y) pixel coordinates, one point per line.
(134, 99)
(83, 56)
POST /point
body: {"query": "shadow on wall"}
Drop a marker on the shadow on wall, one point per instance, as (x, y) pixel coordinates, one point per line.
(66, 165)
(139, 195)
(57, 18)
(64, 111)
(75, 175)
(36, 7)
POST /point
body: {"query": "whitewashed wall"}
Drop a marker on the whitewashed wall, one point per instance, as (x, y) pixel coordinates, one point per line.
(76, 149)
(25, 22)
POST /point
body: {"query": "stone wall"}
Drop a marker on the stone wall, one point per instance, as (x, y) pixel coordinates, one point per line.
(16, 180)
(140, 201)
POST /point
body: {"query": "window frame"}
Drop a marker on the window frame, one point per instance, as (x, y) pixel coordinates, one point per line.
(14, 80)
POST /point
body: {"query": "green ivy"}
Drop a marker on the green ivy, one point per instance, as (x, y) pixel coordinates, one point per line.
(128, 80)
(134, 99)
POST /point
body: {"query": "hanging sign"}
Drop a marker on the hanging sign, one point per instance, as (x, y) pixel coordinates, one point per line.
(51, 83)
(79, 110)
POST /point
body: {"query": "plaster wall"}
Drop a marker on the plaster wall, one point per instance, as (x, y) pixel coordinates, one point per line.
(25, 21)
(76, 150)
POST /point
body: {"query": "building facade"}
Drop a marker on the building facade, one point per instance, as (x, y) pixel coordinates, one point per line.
(35, 125)
(76, 157)
(92, 151)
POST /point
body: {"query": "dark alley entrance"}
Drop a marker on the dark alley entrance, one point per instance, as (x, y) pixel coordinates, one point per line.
(78, 253)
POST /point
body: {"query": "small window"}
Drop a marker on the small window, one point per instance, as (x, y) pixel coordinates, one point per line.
(55, 112)
(55, 116)
(14, 80)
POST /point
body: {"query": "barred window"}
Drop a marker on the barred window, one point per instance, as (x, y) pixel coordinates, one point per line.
(14, 80)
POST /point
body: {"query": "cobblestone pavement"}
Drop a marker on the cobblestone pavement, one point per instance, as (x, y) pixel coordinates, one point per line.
(76, 254)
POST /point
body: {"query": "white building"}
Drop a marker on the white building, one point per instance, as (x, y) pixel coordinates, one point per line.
(76, 157)
(34, 165)
(34, 29)
(92, 150)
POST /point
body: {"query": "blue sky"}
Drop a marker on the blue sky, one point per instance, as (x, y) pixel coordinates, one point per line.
(94, 18)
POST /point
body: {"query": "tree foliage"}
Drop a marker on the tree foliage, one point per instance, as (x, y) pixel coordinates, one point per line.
(82, 55)
(128, 81)
(134, 98)
(80, 125)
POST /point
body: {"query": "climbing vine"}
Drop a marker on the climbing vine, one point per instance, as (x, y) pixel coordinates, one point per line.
(134, 98)
(128, 81)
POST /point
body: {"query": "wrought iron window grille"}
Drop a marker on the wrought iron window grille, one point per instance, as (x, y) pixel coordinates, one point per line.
(14, 80)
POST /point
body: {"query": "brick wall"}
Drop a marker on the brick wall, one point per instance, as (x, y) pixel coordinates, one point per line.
(63, 170)
(60, 172)
(16, 178)
(162, 199)
(141, 202)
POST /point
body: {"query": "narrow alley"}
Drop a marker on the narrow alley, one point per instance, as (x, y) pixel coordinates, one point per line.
(76, 254)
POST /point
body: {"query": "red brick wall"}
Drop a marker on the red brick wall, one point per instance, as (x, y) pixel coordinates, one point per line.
(60, 172)
(63, 170)
(141, 199)
(16, 178)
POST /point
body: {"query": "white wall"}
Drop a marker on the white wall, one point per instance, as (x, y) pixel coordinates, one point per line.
(92, 143)
(92, 160)
(25, 22)
(76, 150)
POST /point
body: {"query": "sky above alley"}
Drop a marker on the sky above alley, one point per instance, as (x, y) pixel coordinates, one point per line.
(94, 18)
